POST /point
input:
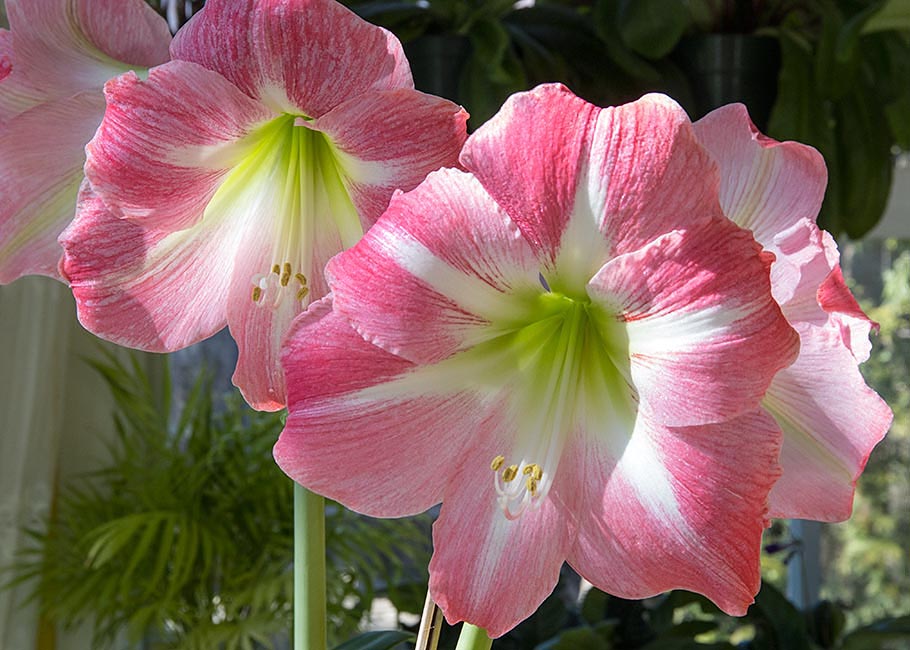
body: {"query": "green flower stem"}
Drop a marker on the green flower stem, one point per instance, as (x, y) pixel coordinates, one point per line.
(473, 638)
(309, 570)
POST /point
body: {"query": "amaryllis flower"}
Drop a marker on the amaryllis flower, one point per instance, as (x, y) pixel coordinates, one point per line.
(53, 65)
(567, 346)
(830, 418)
(222, 184)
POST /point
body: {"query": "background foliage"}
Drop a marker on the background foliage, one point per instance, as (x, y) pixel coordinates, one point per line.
(185, 538)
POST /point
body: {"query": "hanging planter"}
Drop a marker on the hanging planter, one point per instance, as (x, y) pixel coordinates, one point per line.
(727, 68)
(437, 62)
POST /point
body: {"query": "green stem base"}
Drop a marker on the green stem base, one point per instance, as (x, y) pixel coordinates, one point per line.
(473, 638)
(309, 570)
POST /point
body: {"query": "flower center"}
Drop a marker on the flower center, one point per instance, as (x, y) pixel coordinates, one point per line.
(288, 181)
(572, 362)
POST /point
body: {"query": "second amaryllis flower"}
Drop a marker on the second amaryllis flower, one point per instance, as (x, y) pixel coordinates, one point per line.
(567, 346)
(222, 184)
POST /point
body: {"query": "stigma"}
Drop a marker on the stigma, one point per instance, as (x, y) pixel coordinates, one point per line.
(518, 485)
(271, 288)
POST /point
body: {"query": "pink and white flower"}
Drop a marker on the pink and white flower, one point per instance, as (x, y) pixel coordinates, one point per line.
(567, 346)
(53, 65)
(830, 418)
(222, 184)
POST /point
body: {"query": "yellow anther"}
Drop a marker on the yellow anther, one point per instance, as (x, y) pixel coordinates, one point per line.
(276, 269)
(286, 275)
(302, 293)
(532, 486)
(301, 278)
(497, 463)
(257, 294)
(509, 473)
(538, 473)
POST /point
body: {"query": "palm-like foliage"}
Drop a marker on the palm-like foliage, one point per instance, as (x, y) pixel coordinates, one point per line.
(185, 538)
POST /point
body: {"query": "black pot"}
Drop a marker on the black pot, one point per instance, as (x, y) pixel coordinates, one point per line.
(437, 61)
(727, 68)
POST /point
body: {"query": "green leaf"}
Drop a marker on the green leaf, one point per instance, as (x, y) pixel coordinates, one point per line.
(384, 640)
(865, 161)
(606, 18)
(594, 607)
(779, 625)
(898, 114)
(894, 15)
(878, 635)
(652, 28)
(580, 638)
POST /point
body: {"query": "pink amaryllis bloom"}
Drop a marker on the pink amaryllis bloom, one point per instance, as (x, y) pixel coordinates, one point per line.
(567, 346)
(830, 418)
(222, 184)
(53, 65)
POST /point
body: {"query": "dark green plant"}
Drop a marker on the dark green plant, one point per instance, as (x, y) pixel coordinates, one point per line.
(507, 49)
(185, 537)
(842, 86)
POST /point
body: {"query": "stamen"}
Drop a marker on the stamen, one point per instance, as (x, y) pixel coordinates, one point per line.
(267, 289)
(517, 496)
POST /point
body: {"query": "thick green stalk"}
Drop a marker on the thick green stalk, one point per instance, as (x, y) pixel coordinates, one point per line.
(473, 638)
(309, 570)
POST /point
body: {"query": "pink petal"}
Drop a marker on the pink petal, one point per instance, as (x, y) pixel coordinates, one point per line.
(146, 288)
(73, 45)
(353, 435)
(164, 145)
(594, 181)
(845, 313)
(544, 133)
(489, 570)
(6, 53)
(259, 327)
(41, 159)
(766, 186)
(831, 422)
(680, 509)
(807, 282)
(291, 54)
(391, 140)
(447, 258)
(698, 312)
(16, 94)
(646, 171)
(803, 259)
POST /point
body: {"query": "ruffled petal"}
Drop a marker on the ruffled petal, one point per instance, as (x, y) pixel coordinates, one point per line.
(73, 45)
(41, 159)
(705, 337)
(291, 54)
(544, 133)
(679, 509)
(594, 182)
(391, 140)
(831, 421)
(166, 143)
(146, 288)
(445, 257)
(487, 569)
(646, 174)
(766, 186)
(368, 428)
